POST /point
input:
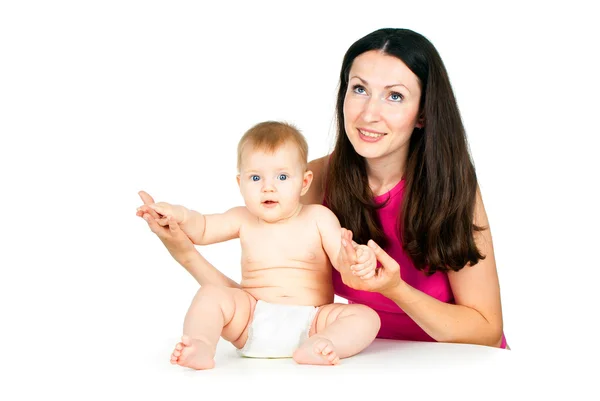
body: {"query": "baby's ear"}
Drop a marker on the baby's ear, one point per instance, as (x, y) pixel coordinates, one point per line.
(237, 177)
(306, 181)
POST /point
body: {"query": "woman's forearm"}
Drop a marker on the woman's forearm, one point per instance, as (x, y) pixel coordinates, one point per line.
(202, 270)
(445, 322)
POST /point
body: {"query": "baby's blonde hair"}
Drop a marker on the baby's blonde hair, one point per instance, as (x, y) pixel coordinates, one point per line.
(269, 136)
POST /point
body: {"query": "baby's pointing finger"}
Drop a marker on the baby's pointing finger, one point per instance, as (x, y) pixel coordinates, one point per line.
(146, 198)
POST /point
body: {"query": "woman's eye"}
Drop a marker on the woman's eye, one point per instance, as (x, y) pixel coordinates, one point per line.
(282, 177)
(254, 177)
(358, 89)
(396, 97)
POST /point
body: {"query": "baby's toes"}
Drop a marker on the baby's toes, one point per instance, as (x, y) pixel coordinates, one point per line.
(185, 355)
(323, 348)
(186, 341)
(327, 350)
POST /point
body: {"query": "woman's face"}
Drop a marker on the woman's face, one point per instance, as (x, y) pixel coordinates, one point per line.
(381, 106)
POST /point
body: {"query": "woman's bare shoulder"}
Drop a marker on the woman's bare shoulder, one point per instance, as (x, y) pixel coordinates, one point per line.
(317, 188)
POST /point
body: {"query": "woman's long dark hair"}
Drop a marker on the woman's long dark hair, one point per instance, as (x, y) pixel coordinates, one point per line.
(435, 223)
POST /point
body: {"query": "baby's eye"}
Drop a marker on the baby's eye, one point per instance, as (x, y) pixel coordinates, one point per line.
(359, 89)
(282, 177)
(254, 177)
(396, 97)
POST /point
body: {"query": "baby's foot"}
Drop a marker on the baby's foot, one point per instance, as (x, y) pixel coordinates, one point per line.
(316, 351)
(193, 353)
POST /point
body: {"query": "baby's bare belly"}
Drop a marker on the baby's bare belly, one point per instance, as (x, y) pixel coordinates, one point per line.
(287, 285)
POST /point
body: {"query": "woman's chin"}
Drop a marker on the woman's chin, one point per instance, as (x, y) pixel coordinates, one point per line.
(367, 153)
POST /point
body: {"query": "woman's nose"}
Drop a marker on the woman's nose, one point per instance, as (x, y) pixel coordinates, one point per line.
(372, 109)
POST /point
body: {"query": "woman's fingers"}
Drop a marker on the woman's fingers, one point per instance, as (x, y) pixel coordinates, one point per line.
(153, 224)
(173, 226)
(163, 221)
(147, 209)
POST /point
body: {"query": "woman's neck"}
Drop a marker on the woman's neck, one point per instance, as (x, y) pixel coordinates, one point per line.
(383, 175)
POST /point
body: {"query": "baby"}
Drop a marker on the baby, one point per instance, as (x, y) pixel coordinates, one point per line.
(285, 305)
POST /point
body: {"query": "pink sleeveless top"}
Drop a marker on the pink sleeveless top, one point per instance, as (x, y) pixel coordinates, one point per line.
(395, 324)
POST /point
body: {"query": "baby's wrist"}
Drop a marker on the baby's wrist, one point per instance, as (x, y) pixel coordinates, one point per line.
(186, 215)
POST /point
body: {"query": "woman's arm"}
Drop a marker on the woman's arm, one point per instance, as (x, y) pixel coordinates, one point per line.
(476, 318)
(183, 250)
(202, 270)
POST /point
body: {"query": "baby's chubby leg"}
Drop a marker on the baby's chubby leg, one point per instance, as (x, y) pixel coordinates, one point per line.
(215, 311)
(338, 331)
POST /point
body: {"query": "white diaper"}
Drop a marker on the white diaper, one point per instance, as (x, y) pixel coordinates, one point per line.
(277, 330)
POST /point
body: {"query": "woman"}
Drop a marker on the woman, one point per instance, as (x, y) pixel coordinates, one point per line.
(400, 179)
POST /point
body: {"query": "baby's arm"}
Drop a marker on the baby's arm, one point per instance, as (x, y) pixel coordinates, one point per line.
(330, 230)
(202, 229)
(213, 228)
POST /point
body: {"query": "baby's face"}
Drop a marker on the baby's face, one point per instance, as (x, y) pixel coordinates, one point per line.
(272, 183)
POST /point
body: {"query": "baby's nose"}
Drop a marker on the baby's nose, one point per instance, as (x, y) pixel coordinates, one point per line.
(268, 187)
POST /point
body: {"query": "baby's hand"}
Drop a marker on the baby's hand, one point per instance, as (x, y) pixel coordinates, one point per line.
(367, 262)
(165, 212)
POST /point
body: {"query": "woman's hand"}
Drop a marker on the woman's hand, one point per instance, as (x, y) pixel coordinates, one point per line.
(387, 276)
(168, 231)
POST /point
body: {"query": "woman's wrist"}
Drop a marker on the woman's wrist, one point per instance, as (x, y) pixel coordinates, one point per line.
(179, 245)
(396, 292)
(184, 256)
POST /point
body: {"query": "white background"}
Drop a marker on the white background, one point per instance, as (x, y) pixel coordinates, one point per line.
(99, 100)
